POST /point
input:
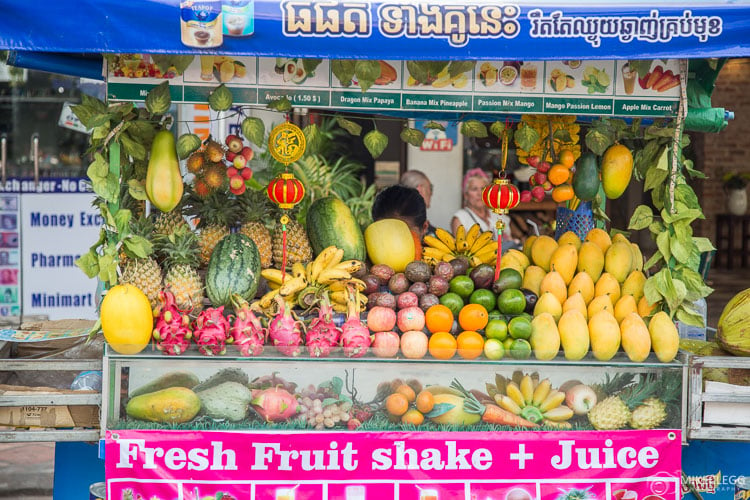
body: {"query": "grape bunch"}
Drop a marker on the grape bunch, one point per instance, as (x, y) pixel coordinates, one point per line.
(320, 417)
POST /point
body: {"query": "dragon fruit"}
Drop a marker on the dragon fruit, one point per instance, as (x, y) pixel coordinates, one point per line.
(275, 404)
(355, 337)
(211, 331)
(172, 331)
(284, 331)
(322, 335)
(247, 332)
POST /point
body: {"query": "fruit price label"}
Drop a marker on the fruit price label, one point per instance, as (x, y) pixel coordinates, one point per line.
(564, 465)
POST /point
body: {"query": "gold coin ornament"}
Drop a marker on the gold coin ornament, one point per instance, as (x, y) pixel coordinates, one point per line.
(286, 143)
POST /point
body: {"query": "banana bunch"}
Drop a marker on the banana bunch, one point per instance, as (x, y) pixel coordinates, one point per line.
(304, 285)
(532, 399)
(477, 246)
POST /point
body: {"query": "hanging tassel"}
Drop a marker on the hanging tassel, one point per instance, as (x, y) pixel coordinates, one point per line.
(284, 221)
(500, 227)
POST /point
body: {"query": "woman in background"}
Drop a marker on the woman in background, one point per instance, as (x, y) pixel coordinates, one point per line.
(474, 210)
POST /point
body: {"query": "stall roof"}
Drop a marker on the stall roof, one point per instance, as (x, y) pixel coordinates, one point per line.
(416, 29)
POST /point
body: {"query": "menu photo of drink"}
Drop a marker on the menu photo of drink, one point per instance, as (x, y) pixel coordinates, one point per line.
(10, 264)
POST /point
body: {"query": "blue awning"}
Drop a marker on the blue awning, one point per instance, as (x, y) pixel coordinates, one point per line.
(417, 29)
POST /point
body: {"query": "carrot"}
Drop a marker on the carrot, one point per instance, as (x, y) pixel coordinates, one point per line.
(655, 75)
(493, 414)
(664, 79)
(675, 82)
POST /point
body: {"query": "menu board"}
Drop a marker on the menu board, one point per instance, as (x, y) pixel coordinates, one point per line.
(10, 262)
(599, 88)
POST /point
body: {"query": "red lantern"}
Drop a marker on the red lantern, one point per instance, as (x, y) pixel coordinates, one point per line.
(500, 196)
(285, 190)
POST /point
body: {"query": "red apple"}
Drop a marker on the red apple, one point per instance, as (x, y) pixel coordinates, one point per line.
(580, 399)
(246, 173)
(525, 196)
(247, 152)
(540, 178)
(544, 167)
(532, 180)
(547, 186)
(230, 156)
(533, 160)
(385, 344)
(237, 184)
(234, 143)
(538, 193)
(231, 171)
(239, 162)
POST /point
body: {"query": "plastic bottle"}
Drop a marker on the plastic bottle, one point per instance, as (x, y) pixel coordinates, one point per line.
(88, 381)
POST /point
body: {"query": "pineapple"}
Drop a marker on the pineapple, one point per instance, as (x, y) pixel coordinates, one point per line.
(256, 208)
(216, 213)
(181, 253)
(143, 273)
(614, 412)
(653, 412)
(297, 244)
(167, 222)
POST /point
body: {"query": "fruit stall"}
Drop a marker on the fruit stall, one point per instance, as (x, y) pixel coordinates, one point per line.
(264, 333)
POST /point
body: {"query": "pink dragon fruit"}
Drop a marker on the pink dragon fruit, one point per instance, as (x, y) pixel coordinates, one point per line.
(322, 335)
(211, 331)
(274, 404)
(247, 332)
(172, 331)
(284, 331)
(355, 337)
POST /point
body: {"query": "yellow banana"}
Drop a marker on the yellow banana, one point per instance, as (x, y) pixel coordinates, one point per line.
(340, 296)
(554, 399)
(321, 262)
(447, 239)
(298, 270)
(336, 259)
(308, 271)
(338, 307)
(266, 300)
(507, 403)
(488, 250)
(272, 275)
(273, 285)
(434, 253)
(461, 245)
(356, 283)
(350, 266)
(514, 393)
(471, 235)
(541, 392)
(558, 414)
(474, 261)
(293, 285)
(527, 389)
(336, 286)
(433, 242)
(332, 273)
(480, 242)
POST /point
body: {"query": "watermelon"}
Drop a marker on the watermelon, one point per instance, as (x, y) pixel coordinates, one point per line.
(331, 223)
(234, 267)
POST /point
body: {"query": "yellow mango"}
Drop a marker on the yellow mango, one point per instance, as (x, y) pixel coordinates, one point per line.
(633, 285)
(173, 405)
(600, 237)
(569, 237)
(636, 339)
(591, 260)
(527, 245)
(618, 261)
(548, 303)
(553, 282)
(574, 335)
(575, 302)
(545, 339)
(565, 260)
(163, 178)
(625, 306)
(620, 237)
(617, 169)
(532, 278)
(665, 339)
(637, 257)
(602, 302)
(582, 283)
(644, 308)
(605, 335)
(608, 285)
(542, 250)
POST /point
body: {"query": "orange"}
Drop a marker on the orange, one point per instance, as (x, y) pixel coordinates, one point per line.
(562, 193)
(413, 417)
(439, 318)
(425, 401)
(396, 404)
(558, 174)
(473, 317)
(470, 344)
(407, 391)
(442, 345)
(567, 158)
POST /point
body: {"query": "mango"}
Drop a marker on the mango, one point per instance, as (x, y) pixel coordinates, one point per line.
(633, 285)
(636, 339)
(569, 237)
(548, 303)
(575, 302)
(600, 237)
(528, 244)
(605, 335)
(665, 339)
(644, 308)
(553, 282)
(591, 260)
(637, 257)
(532, 278)
(173, 406)
(602, 302)
(617, 169)
(163, 178)
(542, 250)
(545, 339)
(565, 260)
(574, 335)
(620, 237)
(618, 261)
(624, 306)
(608, 285)
(583, 284)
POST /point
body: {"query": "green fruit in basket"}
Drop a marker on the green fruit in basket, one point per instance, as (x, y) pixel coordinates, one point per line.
(586, 178)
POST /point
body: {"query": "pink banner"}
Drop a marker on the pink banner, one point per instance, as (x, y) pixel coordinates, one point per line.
(565, 465)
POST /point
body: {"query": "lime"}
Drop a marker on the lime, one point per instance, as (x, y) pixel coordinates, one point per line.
(484, 298)
(508, 278)
(520, 328)
(520, 349)
(496, 329)
(511, 301)
(452, 301)
(494, 314)
(463, 286)
(493, 349)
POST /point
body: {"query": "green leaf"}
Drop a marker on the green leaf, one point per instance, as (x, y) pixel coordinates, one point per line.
(187, 144)
(696, 288)
(703, 244)
(98, 169)
(89, 263)
(526, 137)
(132, 148)
(375, 142)
(662, 242)
(655, 131)
(353, 128)
(695, 174)
(656, 257)
(136, 189)
(439, 409)
(412, 136)
(220, 99)
(254, 130)
(679, 250)
(642, 218)
(647, 157)
(343, 70)
(158, 99)
(654, 178)
(108, 188)
(562, 135)
(100, 132)
(96, 105)
(432, 125)
(102, 119)
(108, 269)
(455, 68)
(310, 65)
(597, 142)
(84, 113)
(497, 128)
(141, 131)
(282, 104)
(138, 246)
(640, 66)
(121, 108)
(366, 71)
(650, 291)
(122, 221)
(312, 137)
(686, 195)
(180, 62)
(473, 128)
(656, 227)
(692, 318)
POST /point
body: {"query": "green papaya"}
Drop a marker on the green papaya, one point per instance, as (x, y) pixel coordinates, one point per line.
(169, 379)
(163, 178)
(586, 178)
(168, 406)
